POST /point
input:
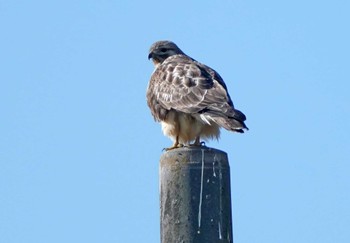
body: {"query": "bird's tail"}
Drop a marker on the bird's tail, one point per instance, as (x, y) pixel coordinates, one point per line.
(234, 121)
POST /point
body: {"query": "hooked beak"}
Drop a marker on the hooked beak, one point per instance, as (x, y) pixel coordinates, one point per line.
(150, 55)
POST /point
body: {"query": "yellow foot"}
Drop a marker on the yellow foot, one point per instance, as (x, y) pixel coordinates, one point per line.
(197, 144)
(175, 146)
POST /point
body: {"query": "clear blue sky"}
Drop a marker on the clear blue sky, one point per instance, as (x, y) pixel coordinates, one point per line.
(79, 149)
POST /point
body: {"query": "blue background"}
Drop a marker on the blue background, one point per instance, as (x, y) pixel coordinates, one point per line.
(79, 149)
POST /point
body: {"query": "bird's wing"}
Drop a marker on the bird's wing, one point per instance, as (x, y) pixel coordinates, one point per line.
(182, 84)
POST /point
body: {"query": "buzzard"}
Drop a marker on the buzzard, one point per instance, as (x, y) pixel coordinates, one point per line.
(188, 98)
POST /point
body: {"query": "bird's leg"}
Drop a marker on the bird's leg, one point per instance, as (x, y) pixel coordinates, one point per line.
(197, 142)
(175, 145)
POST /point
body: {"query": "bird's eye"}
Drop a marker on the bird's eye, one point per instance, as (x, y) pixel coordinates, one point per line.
(163, 50)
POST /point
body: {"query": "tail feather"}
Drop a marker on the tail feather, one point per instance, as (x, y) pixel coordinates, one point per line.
(233, 122)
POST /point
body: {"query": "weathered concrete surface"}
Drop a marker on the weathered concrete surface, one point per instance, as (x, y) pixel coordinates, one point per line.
(195, 196)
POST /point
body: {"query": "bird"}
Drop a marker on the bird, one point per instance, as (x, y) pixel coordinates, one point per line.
(188, 98)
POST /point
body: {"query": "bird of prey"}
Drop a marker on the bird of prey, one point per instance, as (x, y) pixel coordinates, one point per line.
(188, 98)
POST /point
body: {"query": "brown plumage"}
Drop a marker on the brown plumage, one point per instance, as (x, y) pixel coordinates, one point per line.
(189, 98)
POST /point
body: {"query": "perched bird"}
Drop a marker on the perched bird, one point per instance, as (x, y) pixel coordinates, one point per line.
(188, 98)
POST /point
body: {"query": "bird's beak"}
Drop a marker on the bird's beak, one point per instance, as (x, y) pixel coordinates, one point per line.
(150, 55)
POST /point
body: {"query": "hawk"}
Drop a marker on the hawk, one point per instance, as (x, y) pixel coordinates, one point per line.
(188, 98)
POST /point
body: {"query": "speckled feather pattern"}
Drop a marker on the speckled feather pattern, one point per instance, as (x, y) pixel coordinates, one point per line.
(190, 100)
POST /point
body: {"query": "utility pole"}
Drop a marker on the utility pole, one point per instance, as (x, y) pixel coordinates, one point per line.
(195, 196)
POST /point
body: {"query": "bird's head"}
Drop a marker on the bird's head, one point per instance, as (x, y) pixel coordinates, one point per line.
(161, 50)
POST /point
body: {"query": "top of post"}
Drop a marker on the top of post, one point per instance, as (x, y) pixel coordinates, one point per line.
(193, 155)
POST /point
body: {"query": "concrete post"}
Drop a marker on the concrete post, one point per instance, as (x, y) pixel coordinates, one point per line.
(195, 196)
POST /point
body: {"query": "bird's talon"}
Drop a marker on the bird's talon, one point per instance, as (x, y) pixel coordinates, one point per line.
(196, 144)
(175, 146)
